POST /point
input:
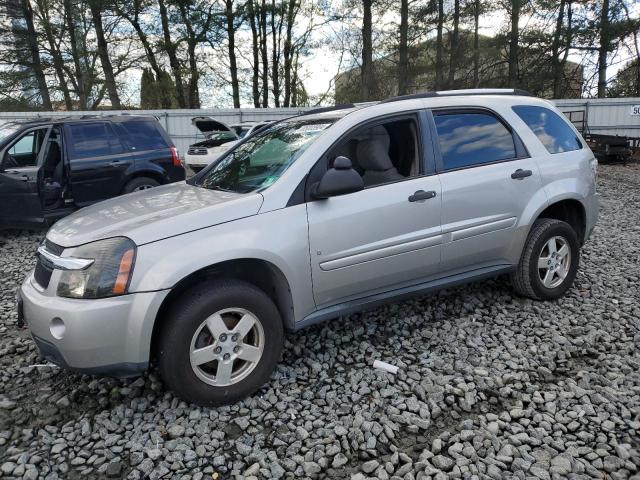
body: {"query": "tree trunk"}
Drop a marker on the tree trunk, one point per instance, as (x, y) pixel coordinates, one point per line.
(514, 41)
(557, 67)
(367, 53)
(454, 45)
(605, 45)
(264, 54)
(288, 50)
(275, 54)
(58, 62)
(170, 48)
(80, 80)
(439, 46)
(194, 76)
(103, 52)
(476, 44)
(569, 39)
(255, 80)
(233, 67)
(403, 49)
(36, 64)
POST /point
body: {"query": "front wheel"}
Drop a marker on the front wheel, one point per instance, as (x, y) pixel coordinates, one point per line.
(220, 342)
(549, 261)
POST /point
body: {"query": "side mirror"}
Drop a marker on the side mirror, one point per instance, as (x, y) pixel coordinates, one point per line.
(338, 180)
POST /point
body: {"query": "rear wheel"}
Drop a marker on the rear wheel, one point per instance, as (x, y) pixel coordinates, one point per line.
(140, 183)
(549, 261)
(220, 343)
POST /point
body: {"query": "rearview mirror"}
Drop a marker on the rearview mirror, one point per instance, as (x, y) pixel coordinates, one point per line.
(338, 180)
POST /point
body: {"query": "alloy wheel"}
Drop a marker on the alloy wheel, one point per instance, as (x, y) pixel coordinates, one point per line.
(554, 262)
(227, 347)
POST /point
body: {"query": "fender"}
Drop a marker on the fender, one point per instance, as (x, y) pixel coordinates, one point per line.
(272, 237)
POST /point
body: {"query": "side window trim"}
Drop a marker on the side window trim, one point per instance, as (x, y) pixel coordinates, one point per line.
(519, 146)
(425, 155)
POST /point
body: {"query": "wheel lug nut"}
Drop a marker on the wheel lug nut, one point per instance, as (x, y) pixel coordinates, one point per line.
(226, 356)
(236, 349)
(235, 337)
(217, 350)
(223, 337)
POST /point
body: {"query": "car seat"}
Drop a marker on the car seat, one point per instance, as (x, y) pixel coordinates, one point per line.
(373, 157)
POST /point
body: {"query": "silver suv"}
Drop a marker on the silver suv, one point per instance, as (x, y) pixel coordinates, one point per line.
(317, 216)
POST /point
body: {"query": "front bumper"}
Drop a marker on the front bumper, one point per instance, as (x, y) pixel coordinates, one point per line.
(109, 336)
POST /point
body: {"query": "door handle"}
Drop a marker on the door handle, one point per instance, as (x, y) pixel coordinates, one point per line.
(24, 178)
(521, 174)
(422, 195)
(115, 163)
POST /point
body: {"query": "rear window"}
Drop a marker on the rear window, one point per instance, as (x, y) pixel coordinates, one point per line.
(143, 135)
(470, 139)
(94, 140)
(554, 132)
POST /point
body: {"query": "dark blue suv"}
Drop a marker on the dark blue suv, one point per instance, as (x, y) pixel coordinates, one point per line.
(50, 167)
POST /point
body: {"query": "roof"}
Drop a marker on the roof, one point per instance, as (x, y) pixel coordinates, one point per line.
(77, 119)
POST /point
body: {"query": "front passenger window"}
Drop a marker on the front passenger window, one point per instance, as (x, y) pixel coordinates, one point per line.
(382, 153)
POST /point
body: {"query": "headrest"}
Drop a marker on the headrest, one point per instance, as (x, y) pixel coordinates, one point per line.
(373, 150)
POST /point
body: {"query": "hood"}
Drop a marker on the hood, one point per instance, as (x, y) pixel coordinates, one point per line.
(154, 214)
(209, 125)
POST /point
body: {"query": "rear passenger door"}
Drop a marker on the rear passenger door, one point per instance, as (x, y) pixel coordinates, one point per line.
(98, 161)
(487, 181)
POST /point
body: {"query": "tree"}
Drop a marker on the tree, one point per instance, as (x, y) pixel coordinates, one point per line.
(367, 52)
(514, 39)
(604, 48)
(97, 7)
(403, 48)
(34, 52)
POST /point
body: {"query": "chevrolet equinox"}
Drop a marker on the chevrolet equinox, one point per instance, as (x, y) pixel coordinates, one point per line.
(326, 213)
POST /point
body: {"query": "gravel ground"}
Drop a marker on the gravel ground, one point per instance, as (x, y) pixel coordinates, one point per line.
(490, 386)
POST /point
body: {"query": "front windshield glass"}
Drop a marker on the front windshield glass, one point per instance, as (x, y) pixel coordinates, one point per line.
(8, 129)
(263, 158)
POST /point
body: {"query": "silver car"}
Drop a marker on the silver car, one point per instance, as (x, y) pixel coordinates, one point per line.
(316, 216)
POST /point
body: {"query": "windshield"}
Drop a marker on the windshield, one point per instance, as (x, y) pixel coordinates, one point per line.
(8, 129)
(263, 158)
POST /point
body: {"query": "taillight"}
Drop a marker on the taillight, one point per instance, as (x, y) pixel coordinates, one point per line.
(174, 157)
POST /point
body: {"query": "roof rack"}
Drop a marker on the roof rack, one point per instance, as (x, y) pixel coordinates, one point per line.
(341, 106)
(454, 93)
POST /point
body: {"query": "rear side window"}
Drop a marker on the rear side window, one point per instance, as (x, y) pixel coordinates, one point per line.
(143, 135)
(554, 132)
(94, 140)
(474, 138)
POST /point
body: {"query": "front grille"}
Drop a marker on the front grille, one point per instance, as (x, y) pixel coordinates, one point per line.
(42, 274)
(197, 151)
(44, 269)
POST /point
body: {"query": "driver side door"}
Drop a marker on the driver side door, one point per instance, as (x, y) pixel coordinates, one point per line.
(20, 179)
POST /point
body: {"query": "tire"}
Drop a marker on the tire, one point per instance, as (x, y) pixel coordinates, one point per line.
(528, 279)
(185, 330)
(139, 183)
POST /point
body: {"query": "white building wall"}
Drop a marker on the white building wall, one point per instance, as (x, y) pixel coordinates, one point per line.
(611, 116)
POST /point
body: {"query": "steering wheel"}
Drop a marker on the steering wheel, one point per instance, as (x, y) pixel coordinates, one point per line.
(10, 161)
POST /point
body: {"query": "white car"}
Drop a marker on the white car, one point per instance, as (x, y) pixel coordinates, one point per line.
(219, 138)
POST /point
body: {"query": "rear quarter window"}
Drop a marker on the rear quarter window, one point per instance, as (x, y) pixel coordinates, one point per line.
(550, 128)
(143, 135)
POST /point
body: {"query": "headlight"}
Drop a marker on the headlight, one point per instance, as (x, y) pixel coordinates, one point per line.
(107, 276)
